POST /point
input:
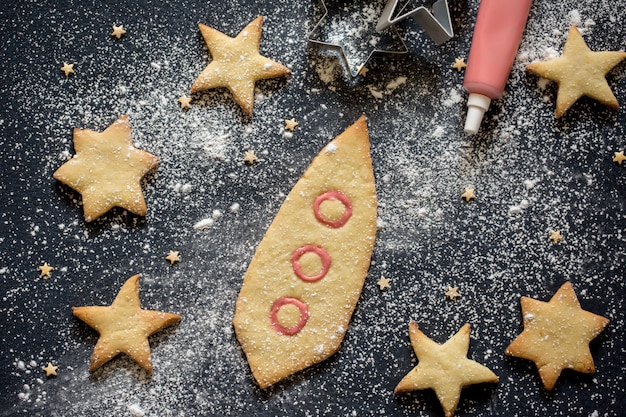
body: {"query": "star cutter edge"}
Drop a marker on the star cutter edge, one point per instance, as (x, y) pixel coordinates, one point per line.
(436, 21)
(341, 47)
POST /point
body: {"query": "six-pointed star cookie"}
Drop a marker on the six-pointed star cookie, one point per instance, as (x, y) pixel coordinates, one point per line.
(107, 170)
(237, 63)
(556, 335)
(579, 72)
(124, 327)
(444, 368)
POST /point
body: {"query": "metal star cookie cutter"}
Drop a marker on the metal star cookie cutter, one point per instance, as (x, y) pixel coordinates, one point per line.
(336, 34)
(435, 21)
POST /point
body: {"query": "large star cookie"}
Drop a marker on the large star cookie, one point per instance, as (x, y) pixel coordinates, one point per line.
(107, 170)
(237, 63)
(579, 72)
(124, 327)
(444, 368)
(306, 276)
(556, 335)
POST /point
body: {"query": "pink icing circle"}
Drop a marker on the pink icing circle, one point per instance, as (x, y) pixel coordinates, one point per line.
(297, 268)
(333, 195)
(304, 316)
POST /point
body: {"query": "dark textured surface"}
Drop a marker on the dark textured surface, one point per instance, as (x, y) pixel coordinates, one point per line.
(531, 174)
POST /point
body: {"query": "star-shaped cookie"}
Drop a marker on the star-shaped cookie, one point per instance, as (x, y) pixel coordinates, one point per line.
(556, 335)
(237, 63)
(124, 327)
(579, 72)
(107, 170)
(444, 368)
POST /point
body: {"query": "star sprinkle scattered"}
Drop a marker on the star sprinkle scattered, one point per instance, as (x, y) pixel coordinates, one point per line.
(50, 370)
(118, 31)
(383, 283)
(107, 170)
(468, 194)
(173, 257)
(291, 124)
(185, 102)
(556, 335)
(556, 236)
(579, 72)
(237, 64)
(452, 293)
(124, 327)
(459, 64)
(67, 69)
(250, 158)
(363, 71)
(444, 368)
(45, 269)
(619, 157)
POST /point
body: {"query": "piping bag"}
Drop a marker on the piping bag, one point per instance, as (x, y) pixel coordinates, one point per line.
(497, 36)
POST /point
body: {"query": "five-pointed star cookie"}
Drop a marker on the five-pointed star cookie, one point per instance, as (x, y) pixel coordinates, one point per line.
(619, 157)
(383, 283)
(468, 194)
(173, 257)
(118, 31)
(50, 369)
(444, 368)
(107, 170)
(45, 269)
(237, 64)
(579, 72)
(124, 327)
(556, 335)
(67, 69)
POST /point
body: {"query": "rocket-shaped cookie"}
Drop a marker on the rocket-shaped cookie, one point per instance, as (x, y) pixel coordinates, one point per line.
(306, 276)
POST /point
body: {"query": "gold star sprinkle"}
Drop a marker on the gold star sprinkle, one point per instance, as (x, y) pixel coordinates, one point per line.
(50, 370)
(579, 72)
(443, 368)
(363, 71)
(291, 124)
(468, 194)
(173, 257)
(556, 236)
(250, 158)
(619, 157)
(67, 69)
(452, 293)
(185, 102)
(383, 283)
(45, 269)
(118, 31)
(459, 64)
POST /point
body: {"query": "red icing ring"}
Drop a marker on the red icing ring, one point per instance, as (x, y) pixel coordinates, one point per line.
(297, 268)
(289, 331)
(333, 195)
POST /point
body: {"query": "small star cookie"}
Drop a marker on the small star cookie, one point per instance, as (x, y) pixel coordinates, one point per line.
(67, 69)
(124, 327)
(383, 283)
(619, 157)
(118, 31)
(291, 124)
(45, 269)
(185, 102)
(50, 370)
(107, 170)
(459, 64)
(556, 335)
(468, 194)
(556, 236)
(250, 158)
(452, 293)
(579, 72)
(237, 63)
(173, 257)
(444, 368)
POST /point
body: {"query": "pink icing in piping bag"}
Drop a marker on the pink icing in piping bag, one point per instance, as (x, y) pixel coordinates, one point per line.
(497, 35)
